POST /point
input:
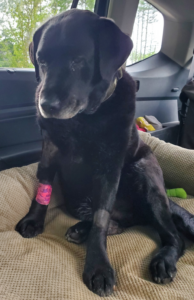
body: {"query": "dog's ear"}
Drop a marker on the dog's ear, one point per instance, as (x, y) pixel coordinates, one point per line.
(31, 52)
(114, 47)
(33, 49)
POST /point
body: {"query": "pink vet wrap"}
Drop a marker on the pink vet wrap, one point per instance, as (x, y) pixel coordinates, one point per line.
(44, 194)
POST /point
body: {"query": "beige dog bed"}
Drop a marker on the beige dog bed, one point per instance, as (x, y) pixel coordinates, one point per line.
(49, 267)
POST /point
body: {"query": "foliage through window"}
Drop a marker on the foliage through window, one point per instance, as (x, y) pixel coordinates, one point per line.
(18, 21)
(147, 32)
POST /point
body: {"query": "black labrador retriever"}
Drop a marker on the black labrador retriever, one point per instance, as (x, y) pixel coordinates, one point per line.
(110, 178)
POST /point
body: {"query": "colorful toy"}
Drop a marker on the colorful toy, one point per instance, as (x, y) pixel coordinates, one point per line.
(140, 129)
(142, 123)
(180, 193)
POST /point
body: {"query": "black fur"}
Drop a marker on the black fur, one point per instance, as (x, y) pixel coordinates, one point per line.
(109, 177)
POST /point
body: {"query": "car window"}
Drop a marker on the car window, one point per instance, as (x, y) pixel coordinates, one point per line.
(18, 21)
(147, 32)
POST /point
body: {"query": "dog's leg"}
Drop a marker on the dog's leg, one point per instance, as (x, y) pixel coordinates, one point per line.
(33, 223)
(183, 220)
(79, 232)
(158, 214)
(98, 274)
(163, 265)
(151, 201)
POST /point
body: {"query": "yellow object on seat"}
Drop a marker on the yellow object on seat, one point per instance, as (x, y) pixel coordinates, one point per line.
(142, 123)
(49, 267)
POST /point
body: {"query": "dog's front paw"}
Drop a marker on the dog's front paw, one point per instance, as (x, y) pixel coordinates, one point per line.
(29, 227)
(100, 280)
(163, 270)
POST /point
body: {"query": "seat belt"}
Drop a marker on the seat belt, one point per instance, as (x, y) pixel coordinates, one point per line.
(74, 4)
(185, 101)
(191, 72)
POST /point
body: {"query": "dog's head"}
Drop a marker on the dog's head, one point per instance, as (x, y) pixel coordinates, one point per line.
(76, 57)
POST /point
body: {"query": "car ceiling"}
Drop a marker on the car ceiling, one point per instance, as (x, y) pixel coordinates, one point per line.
(179, 10)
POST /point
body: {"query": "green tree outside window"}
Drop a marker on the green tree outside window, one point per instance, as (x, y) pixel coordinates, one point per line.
(147, 32)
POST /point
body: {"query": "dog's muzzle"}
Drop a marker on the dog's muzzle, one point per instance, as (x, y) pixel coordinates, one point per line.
(50, 107)
(54, 109)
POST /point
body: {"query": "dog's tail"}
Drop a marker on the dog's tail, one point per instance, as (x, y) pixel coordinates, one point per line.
(183, 220)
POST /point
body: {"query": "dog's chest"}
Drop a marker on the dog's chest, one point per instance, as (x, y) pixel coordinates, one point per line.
(76, 141)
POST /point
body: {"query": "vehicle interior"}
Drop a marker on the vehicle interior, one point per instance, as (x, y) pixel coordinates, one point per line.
(160, 76)
(161, 64)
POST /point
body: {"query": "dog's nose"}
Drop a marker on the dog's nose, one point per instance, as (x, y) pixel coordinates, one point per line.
(50, 106)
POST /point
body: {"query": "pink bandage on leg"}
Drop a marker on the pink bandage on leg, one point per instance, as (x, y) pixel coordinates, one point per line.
(44, 194)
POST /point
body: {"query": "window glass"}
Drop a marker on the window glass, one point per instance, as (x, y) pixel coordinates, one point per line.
(147, 32)
(18, 21)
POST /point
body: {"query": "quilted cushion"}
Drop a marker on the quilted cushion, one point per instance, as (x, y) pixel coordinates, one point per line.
(49, 267)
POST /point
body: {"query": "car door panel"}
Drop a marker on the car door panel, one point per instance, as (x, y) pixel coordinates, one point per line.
(20, 137)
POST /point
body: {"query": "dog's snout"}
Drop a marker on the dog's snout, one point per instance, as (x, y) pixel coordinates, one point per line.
(50, 106)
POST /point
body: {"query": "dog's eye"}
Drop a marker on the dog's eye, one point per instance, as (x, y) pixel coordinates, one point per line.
(41, 61)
